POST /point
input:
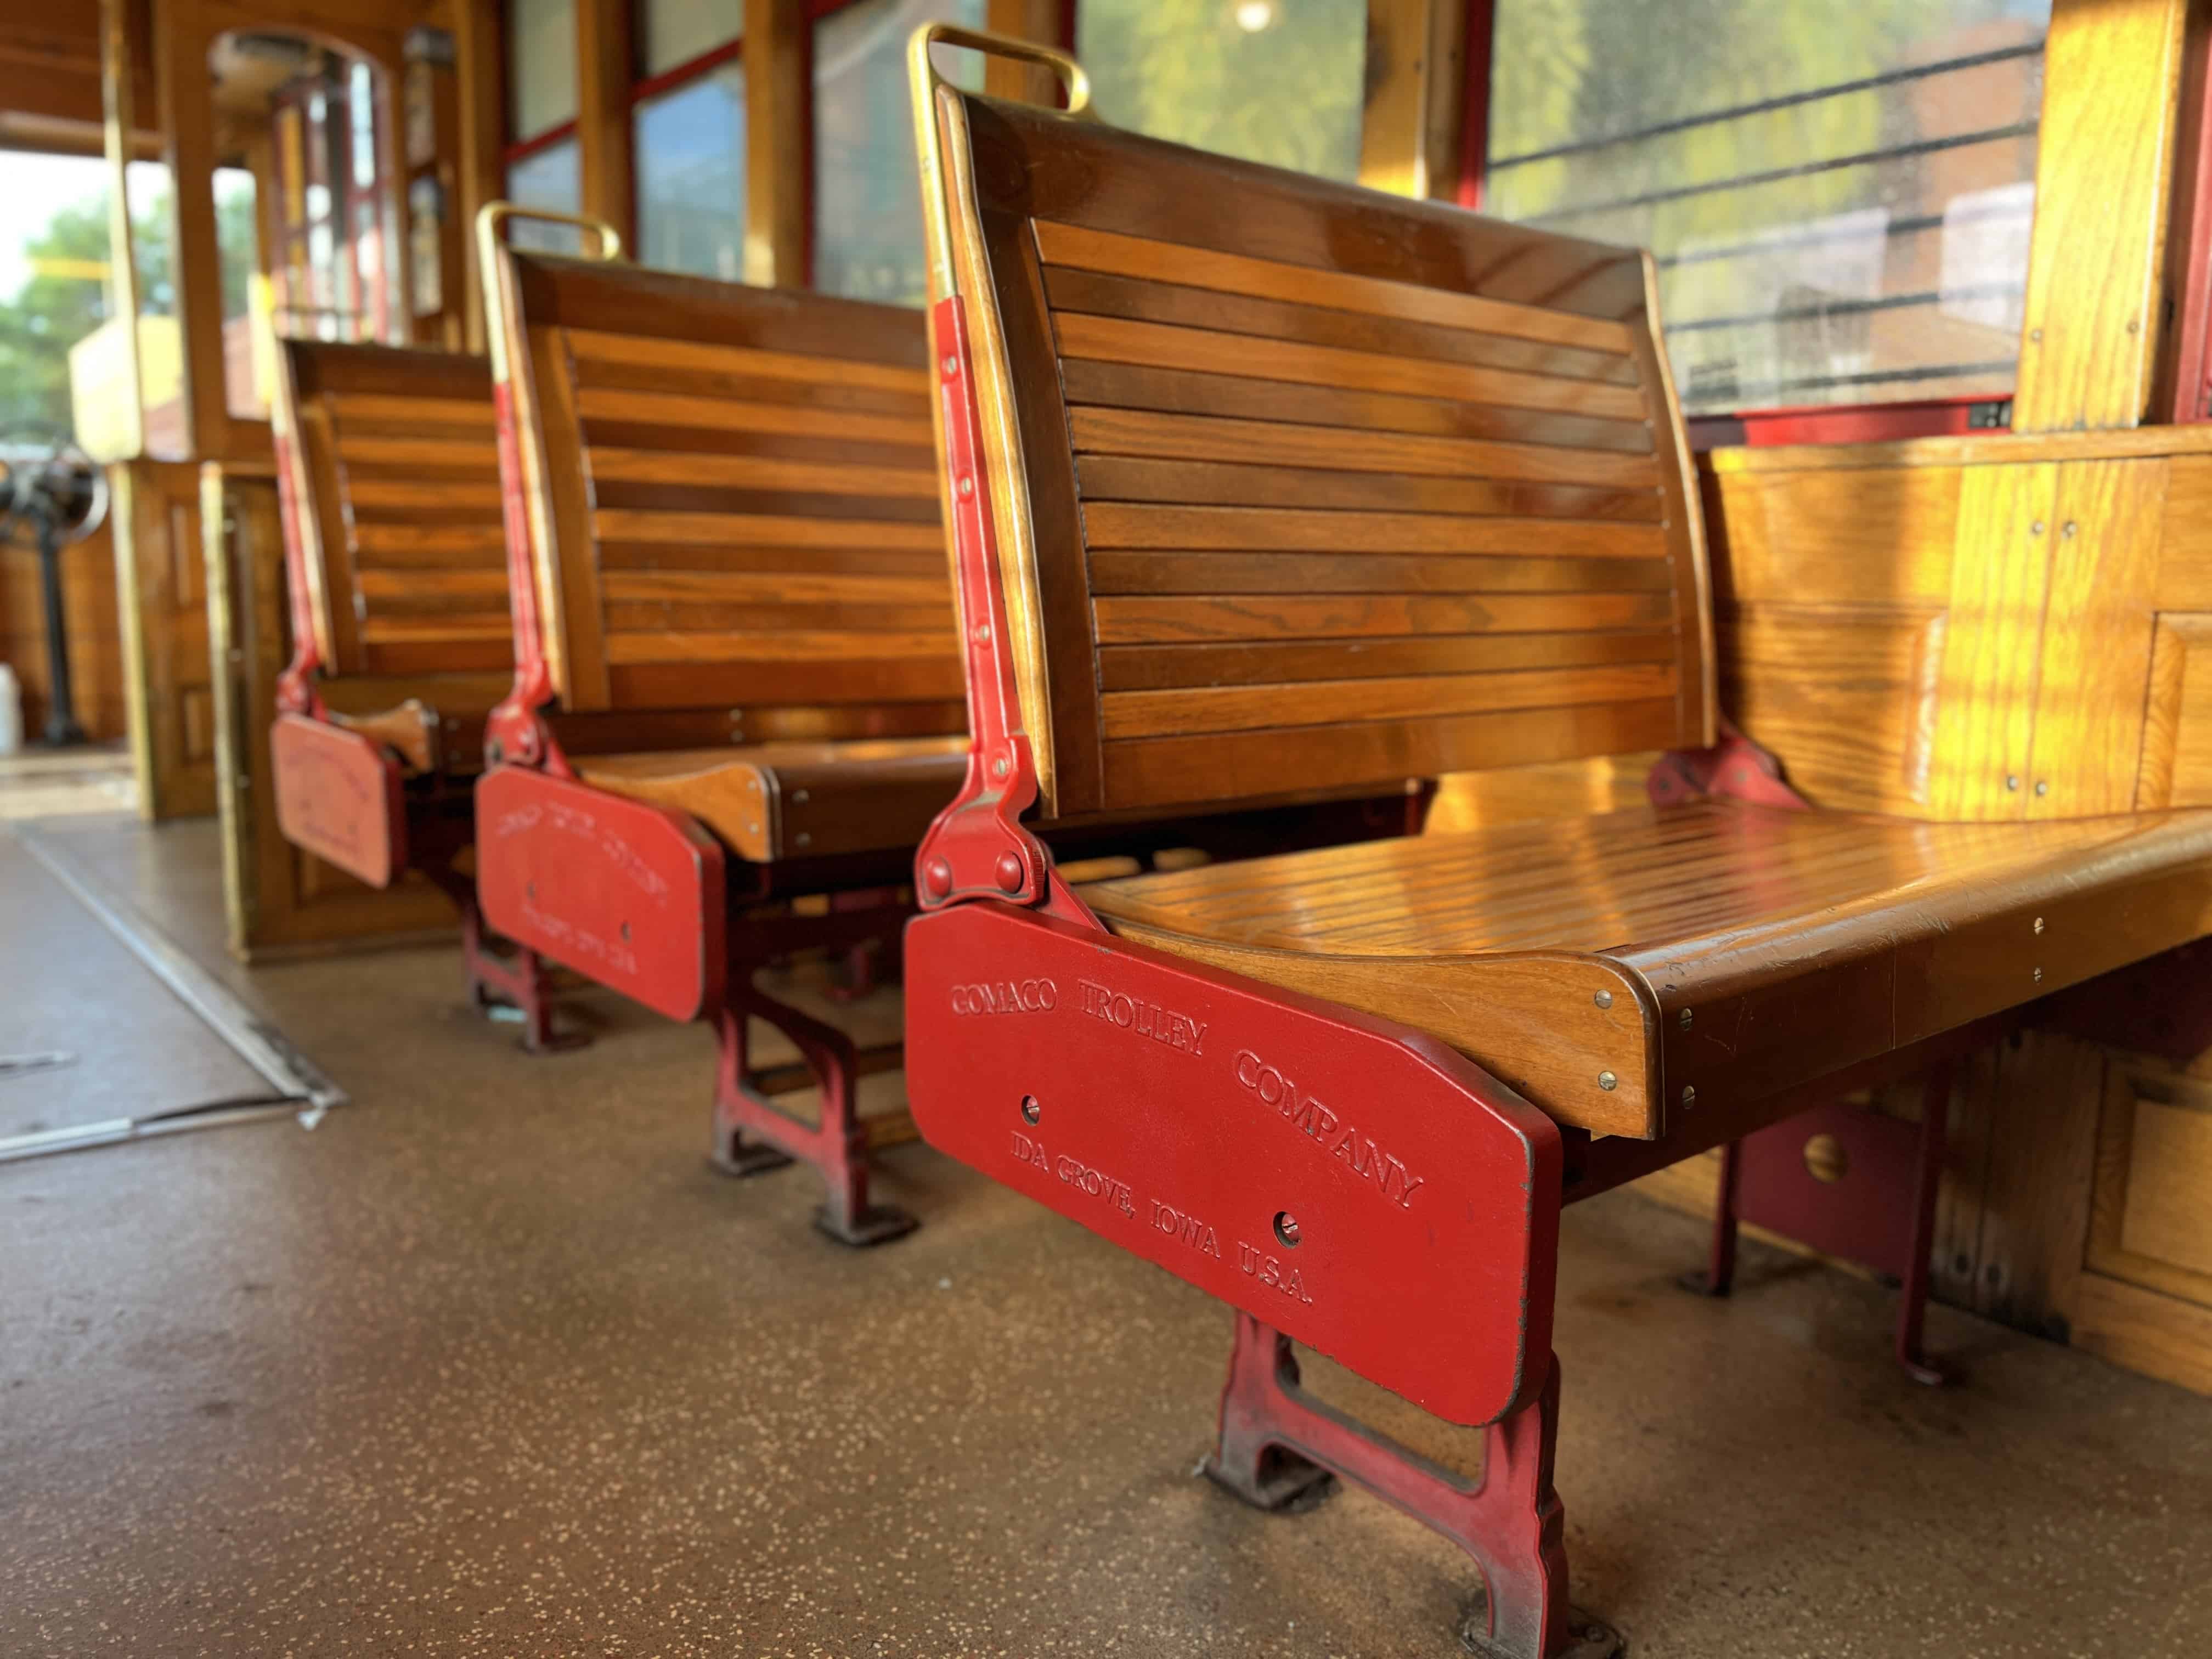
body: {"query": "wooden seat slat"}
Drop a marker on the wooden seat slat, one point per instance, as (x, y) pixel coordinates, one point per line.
(1136, 300)
(1210, 484)
(825, 560)
(408, 415)
(1177, 768)
(915, 653)
(406, 628)
(1174, 392)
(709, 414)
(1147, 526)
(797, 587)
(594, 346)
(761, 472)
(674, 616)
(1112, 339)
(428, 544)
(1166, 667)
(748, 529)
(1321, 702)
(420, 493)
(1148, 620)
(366, 453)
(1143, 572)
(769, 443)
(1207, 438)
(1090, 248)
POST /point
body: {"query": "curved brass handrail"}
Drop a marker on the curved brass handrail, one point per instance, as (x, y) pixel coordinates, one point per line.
(924, 80)
(490, 217)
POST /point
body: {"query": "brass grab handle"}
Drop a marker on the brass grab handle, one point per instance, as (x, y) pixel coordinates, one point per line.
(924, 80)
(489, 219)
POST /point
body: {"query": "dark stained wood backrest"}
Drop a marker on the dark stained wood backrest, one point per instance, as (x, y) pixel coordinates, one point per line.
(1310, 486)
(736, 494)
(395, 473)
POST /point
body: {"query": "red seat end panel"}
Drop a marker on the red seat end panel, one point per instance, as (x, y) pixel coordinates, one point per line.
(339, 796)
(622, 892)
(1372, 1194)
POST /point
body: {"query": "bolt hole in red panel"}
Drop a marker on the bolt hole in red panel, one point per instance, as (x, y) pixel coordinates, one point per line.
(1371, 1194)
(622, 891)
(339, 796)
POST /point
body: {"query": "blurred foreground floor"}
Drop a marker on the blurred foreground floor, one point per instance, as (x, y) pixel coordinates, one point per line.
(492, 1363)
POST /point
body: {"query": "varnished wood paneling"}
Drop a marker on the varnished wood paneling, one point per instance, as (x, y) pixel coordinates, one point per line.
(2095, 653)
(2000, 585)
(2097, 258)
(1846, 696)
(1831, 539)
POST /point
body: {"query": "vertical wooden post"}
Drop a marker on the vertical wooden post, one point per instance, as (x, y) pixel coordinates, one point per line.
(480, 172)
(118, 97)
(1411, 133)
(605, 152)
(1041, 20)
(779, 145)
(2096, 270)
(180, 56)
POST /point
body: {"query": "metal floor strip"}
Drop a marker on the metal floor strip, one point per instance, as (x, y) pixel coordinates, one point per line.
(292, 1076)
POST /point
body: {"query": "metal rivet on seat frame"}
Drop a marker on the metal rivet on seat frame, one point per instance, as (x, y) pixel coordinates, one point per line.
(2042, 786)
(804, 840)
(967, 488)
(2012, 782)
(1684, 1018)
(2038, 924)
(1689, 1095)
(1606, 1080)
(999, 767)
(2038, 974)
(2036, 529)
(1603, 999)
(799, 798)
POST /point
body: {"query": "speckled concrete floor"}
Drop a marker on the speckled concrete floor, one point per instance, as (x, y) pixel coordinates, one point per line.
(491, 1364)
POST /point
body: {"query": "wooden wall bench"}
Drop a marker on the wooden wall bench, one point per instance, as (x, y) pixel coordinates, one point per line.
(388, 488)
(1254, 476)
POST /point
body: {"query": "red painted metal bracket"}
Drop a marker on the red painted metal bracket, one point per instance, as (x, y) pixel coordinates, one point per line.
(977, 848)
(1369, 1193)
(620, 891)
(516, 731)
(339, 796)
(1734, 768)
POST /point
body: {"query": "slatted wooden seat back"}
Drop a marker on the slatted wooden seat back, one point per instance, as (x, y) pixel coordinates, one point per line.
(1298, 486)
(732, 496)
(393, 471)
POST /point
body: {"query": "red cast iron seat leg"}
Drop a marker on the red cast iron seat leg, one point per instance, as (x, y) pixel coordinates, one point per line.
(517, 978)
(1277, 1444)
(751, 1135)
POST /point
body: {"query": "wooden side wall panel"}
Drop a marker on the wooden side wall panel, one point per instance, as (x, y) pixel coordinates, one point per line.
(2097, 260)
(2000, 586)
(168, 676)
(280, 900)
(2096, 653)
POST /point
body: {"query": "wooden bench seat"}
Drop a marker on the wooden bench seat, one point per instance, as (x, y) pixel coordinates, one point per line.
(1800, 942)
(395, 565)
(1261, 482)
(794, 800)
(736, 681)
